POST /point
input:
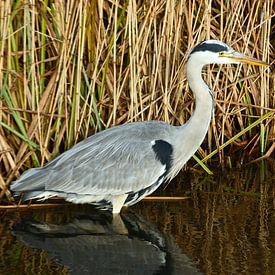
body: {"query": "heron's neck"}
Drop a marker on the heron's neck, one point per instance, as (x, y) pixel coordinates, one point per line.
(201, 117)
(191, 134)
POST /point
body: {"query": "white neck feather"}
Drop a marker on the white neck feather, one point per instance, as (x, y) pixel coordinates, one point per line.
(200, 119)
(190, 135)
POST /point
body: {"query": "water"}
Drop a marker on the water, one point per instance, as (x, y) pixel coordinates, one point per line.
(227, 226)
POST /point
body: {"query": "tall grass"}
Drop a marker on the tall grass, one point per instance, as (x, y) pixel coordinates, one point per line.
(71, 68)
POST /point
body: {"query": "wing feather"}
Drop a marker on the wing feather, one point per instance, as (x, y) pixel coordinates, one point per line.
(108, 170)
(115, 161)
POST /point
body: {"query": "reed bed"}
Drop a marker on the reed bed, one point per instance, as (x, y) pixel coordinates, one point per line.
(72, 68)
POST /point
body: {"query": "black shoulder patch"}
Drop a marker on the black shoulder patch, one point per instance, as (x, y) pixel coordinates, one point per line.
(212, 47)
(163, 151)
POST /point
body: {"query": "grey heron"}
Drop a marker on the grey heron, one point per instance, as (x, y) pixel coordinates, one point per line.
(121, 165)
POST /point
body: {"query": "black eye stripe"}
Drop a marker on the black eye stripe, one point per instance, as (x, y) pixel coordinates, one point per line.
(212, 47)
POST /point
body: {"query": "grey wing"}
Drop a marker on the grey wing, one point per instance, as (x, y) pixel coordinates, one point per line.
(114, 169)
(116, 161)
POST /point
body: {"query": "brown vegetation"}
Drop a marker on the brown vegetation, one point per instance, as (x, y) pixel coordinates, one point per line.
(70, 68)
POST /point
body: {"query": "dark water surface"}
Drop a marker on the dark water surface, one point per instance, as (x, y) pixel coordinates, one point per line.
(227, 226)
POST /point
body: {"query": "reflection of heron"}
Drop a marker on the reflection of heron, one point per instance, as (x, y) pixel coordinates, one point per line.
(123, 164)
(97, 245)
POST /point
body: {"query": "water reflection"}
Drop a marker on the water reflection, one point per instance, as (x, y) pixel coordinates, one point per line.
(226, 227)
(100, 244)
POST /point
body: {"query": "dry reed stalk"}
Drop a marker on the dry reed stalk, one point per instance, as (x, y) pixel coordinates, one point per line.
(68, 69)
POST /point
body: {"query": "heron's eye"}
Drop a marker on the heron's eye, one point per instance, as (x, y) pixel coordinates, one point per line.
(222, 53)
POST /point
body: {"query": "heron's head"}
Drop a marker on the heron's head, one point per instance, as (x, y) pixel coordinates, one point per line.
(217, 52)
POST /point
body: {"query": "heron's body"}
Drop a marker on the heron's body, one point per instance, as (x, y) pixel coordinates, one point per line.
(121, 165)
(131, 159)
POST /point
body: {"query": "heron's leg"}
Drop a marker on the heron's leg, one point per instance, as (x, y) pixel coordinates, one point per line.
(118, 202)
(118, 225)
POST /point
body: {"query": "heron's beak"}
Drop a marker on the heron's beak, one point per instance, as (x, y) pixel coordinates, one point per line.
(241, 58)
